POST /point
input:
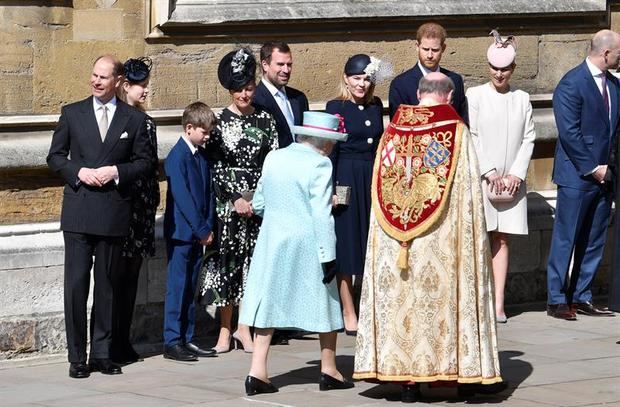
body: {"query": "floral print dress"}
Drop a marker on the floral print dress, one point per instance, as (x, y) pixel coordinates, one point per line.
(145, 199)
(237, 147)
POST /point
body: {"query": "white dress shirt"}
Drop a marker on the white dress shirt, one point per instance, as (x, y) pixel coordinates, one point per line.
(283, 103)
(97, 106)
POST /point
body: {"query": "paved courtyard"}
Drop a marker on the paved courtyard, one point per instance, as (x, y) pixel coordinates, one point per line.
(547, 362)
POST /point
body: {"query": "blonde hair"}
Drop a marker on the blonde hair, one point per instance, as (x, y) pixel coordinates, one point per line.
(122, 95)
(345, 94)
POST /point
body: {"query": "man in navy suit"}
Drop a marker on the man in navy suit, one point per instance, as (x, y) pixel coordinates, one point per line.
(100, 147)
(286, 104)
(585, 106)
(188, 228)
(431, 44)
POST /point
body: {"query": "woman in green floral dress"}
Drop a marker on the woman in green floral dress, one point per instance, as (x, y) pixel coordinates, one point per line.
(239, 144)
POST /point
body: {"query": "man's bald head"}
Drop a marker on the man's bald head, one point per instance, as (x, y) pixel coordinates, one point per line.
(436, 86)
(605, 49)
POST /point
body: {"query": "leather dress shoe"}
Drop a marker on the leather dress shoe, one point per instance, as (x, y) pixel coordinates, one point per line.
(126, 356)
(256, 386)
(105, 366)
(327, 382)
(79, 370)
(201, 353)
(470, 389)
(180, 353)
(410, 393)
(561, 311)
(587, 308)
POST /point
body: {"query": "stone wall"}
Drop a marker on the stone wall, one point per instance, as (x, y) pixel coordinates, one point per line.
(48, 48)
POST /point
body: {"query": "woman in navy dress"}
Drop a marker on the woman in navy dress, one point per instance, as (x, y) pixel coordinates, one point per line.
(353, 159)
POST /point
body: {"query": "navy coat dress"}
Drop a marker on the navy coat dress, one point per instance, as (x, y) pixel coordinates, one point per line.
(353, 161)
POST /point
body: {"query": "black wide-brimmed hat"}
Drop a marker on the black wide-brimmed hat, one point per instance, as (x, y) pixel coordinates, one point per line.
(362, 64)
(237, 69)
(356, 65)
(138, 69)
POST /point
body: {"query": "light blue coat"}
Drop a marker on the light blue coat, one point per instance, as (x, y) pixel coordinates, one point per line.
(284, 287)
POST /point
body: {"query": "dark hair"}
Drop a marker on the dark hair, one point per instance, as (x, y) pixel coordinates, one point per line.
(267, 50)
(117, 66)
(198, 114)
(137, 69)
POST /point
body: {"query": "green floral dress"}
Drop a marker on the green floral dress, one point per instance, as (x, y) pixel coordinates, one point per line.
(237, 148)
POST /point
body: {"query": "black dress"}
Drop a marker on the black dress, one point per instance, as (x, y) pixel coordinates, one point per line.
(353, 161)
(237, 148)
(141, 239)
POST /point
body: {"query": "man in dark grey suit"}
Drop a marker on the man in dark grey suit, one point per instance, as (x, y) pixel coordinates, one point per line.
(99, 147)
(286, 104)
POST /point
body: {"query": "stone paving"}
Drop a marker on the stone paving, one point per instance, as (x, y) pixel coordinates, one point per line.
(547, 362)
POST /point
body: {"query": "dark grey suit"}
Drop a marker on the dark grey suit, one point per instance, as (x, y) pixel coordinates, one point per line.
(94, 219)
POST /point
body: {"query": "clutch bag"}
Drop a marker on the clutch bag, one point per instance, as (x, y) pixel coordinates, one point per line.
(501, 197)
(343, 193)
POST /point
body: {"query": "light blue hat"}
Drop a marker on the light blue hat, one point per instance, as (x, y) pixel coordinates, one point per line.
(322, 125)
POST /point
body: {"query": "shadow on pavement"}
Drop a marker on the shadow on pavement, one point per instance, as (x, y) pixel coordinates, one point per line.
(310, 374)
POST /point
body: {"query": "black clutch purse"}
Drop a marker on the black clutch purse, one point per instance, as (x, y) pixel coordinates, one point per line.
(329, 271)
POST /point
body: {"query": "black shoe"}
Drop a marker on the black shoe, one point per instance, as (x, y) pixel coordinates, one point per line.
(201, 353)
(105, 366)
(256, 386)
(126, 356)
(279, 338)
(587, 308)
(327, 382)
(350, 333)
(410, 393)
(79, 370)
(470, 389)
(180, 353)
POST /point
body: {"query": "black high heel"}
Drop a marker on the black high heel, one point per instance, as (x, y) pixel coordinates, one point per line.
(327, 382)
(256, 386)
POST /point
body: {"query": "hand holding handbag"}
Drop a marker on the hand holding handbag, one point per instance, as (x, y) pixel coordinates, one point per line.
(502, 196)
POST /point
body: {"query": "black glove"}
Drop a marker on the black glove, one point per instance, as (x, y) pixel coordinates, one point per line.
(329, 271)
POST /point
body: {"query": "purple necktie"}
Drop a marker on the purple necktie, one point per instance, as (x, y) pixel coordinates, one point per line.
(604, 92)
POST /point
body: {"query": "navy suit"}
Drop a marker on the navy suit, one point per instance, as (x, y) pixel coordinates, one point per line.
(299, 104)
(189, 217)
(94, 219)
(404, 88)
(585, 134)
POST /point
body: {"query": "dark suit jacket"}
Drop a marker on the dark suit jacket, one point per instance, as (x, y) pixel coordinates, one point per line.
(585, 132)
(299, 103)
(76, 143)
(404, 88)
(190, 201)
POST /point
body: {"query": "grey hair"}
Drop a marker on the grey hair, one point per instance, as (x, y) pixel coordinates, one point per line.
(439, 86)
(317, 142)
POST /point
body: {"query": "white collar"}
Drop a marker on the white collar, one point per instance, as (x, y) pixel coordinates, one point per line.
(272, 89)
(111, 105)
(191, 145)
(594, 70)
(425, 70)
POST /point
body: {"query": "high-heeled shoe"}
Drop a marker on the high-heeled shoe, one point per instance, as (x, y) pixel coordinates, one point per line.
(327, 382)
(256, 386)
(240, 345)
(224, 349)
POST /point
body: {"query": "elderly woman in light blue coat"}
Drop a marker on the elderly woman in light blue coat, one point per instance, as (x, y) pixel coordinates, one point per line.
(290, 283)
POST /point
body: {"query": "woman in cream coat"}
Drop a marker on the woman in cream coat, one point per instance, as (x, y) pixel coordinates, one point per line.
(503, 133)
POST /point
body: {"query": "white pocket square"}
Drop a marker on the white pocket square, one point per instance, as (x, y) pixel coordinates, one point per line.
(124, 135)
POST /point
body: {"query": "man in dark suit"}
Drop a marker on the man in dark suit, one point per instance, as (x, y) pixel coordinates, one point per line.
(99, 147)
(431, 44)
(286, 104)
(585, 106)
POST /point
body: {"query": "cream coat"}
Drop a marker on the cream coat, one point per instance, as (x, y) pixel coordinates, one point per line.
(502, 130)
